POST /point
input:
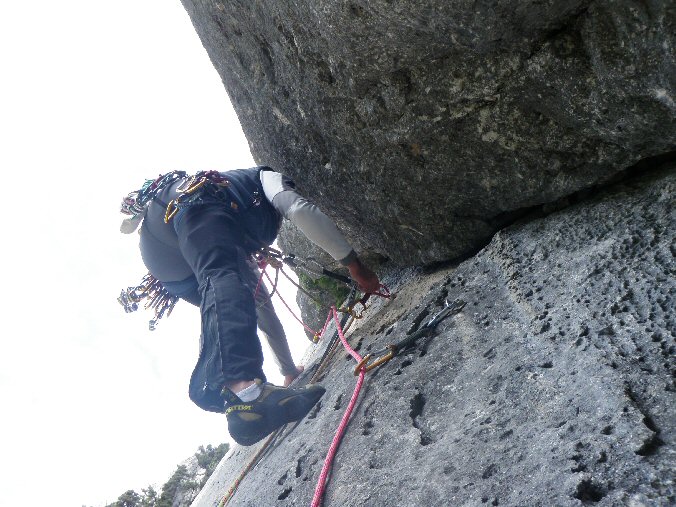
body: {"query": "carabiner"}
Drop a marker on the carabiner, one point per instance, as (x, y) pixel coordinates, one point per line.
(172, 209)
(362, 365)
(351, 311)
(357, 314)
(189, 186)
(448, 309)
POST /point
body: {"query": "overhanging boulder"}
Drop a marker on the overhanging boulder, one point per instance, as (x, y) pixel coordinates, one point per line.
(422, 128)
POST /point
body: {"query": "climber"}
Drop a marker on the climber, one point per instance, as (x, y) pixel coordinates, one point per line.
(196, 240)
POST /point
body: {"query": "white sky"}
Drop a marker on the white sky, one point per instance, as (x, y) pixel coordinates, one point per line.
(94, 98)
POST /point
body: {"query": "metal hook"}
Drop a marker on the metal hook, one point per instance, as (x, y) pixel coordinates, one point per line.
(380, 361)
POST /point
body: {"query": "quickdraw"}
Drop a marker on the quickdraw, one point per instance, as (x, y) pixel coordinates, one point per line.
(383, 356)
(313, 267)
(157, 297)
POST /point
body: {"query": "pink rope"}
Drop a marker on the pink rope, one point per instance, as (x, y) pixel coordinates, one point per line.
(321, 483)
(260, 280)
(307, 328)
(326, 324)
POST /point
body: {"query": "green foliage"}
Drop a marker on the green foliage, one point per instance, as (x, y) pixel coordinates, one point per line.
(207, 458)
(172, 486)
(335, 290)
(149, 497)
(129, 498)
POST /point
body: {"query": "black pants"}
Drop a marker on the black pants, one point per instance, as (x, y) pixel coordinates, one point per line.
(213, 244)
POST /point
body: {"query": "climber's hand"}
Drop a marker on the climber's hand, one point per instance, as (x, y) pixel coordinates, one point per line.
(367, 279)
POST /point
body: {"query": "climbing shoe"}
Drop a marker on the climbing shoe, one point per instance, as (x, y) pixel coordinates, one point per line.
(251, 421)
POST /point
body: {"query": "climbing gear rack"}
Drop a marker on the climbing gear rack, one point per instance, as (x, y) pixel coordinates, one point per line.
(188, 190)
(135, 202)
(156, 296)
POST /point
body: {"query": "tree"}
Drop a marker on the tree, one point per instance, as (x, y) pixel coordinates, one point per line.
(172, 485)
(149, 497)
(129, 498)
(209, 459)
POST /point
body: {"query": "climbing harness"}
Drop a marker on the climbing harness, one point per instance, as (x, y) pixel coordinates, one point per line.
(134, 205)
(158, 298)
(187, 191)
(383, 356)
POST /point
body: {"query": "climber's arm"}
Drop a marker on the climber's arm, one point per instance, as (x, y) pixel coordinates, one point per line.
(316, 226)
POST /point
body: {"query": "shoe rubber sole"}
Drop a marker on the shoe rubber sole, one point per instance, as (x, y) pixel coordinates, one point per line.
(250, 422)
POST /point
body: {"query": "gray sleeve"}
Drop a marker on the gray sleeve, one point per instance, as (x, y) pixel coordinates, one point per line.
(274, 183)
(305, 215)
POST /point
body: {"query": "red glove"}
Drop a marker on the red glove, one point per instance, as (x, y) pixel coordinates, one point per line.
(367, 279)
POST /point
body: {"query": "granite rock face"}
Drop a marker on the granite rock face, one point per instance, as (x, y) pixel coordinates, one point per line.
(553, 386)
(434, 131)
(424, 127)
